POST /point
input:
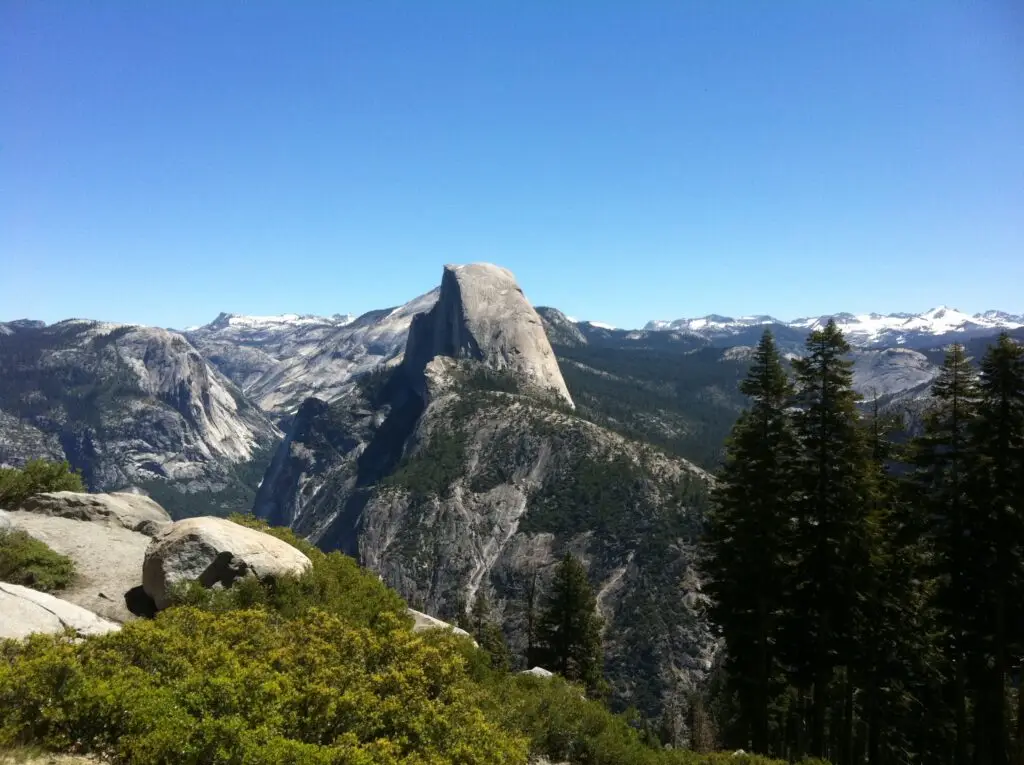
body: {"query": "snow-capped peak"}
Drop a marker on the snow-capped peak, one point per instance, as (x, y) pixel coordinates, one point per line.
(713, 322)
(286, 320)
(862, 329)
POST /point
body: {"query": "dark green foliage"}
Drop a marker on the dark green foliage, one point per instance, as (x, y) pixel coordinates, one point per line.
(38, 476)
(478, 377)
(569, 629)
(831, 543)
(486, 630)
(996, 530)
(565, 727)
(943, 512)
(589, 492)
(434, 466)
(29, 562)
(685, 404)
(71, 393)
(747, 540)
(899, 585)
(375, 384)
(613, 496)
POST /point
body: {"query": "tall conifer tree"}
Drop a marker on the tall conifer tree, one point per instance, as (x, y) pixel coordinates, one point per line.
(940, 482)
(745, 546)
(997, 531)
(569, 628)
(832, 540)
(487, 631)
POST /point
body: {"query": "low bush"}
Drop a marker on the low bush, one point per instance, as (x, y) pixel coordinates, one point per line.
(17, 485)
(26, 561)
(308, 671)
(564, 726)
(335, 584)
(249, 686)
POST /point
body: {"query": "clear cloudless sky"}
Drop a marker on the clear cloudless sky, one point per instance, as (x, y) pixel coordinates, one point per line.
(161, 162)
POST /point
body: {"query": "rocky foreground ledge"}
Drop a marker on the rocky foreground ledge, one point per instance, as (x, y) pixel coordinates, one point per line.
(129, 554)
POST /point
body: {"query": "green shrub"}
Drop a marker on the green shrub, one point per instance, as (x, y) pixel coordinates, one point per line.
(249, 686)
(36, 477)
(318, 670)
(563, 725)
(335, 584)
(27, 561)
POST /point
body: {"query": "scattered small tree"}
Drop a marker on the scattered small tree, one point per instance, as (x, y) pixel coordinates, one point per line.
(569, 629)
(487, 631)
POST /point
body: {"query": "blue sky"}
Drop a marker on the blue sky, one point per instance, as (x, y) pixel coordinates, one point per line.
(164, 161)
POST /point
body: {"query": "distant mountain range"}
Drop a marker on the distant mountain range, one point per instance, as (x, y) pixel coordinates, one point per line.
(279, 361)
(872, 330)
(285, 337)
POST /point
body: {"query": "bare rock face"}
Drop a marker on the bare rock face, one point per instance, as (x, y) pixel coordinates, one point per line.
(157, 414)
(481, 314)
(24, 611)
(422, 622)
(135, 512)
(108, 559)
(279, 361)
(214, 551)
(538, 672)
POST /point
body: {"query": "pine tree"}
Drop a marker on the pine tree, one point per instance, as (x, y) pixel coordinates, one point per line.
(900, 702)
(997, 533)
(487, 632)
(525, 607)
(940, 484)
(745, 539)
(832, 540)
(569, 628)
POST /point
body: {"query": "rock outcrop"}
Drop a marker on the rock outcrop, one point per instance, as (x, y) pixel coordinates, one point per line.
(560, 329)
(24, 611)
(423, 622)
(891, 372)
(135, 512)
(482, 315)
(108, 559)
(214, 552)
(538, 672)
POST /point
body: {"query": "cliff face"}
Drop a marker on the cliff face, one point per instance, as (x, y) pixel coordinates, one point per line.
(280, 361)
(126, 405)
(464, 469)
(482, 315)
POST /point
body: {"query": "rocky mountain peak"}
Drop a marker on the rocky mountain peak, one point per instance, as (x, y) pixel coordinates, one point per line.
(481, 314)
(560, 329)
(222, 321)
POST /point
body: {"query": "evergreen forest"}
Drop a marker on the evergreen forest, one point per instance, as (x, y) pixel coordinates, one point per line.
(869, 587)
